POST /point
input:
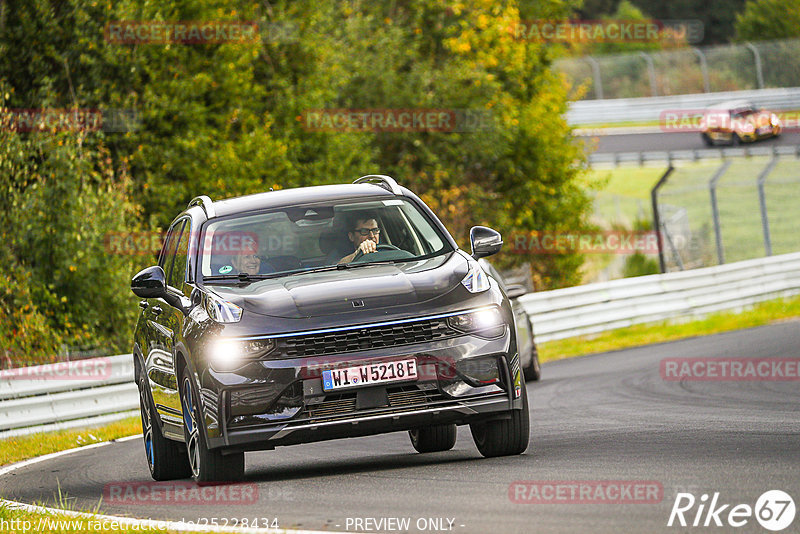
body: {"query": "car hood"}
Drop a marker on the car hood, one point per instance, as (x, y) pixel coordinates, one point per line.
(371, 287)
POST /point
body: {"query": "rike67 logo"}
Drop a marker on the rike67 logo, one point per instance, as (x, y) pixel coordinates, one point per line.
(774, 510)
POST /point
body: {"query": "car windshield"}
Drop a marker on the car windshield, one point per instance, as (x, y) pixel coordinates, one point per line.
(296, 239)
(743, 112)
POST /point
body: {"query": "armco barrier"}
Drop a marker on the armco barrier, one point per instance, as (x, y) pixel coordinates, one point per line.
(37, 399)
(40, 403)
(594, 308)
(608, 111)
(615, 159)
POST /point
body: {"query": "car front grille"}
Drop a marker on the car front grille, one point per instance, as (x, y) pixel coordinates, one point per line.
(367, 338)
(344, 404)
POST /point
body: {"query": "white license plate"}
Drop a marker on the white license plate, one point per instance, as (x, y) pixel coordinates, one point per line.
(369, 374)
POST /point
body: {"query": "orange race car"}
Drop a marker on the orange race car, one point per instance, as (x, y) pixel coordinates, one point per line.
(737, 122)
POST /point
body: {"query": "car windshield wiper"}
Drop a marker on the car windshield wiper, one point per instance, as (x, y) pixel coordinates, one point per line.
(337, 267)
(380, 262)
(242, 278)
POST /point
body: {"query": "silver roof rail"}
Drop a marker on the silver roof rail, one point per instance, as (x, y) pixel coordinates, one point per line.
(204, 202)
(381, 180)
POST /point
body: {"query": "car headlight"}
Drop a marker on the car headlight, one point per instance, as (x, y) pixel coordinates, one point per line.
(222, 311)
(485, 323)
(229, 354)
(476, 280)
(774, 120)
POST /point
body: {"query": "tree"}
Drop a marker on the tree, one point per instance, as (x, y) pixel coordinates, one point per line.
(226, 119)
(768, 19)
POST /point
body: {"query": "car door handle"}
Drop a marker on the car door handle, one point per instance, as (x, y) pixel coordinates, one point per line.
(157, 310)
(143, 304)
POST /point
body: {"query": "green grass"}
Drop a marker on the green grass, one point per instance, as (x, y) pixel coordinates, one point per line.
(627, 124)
(625, 197)
(645, 334)
(24, 447)
(21, 448)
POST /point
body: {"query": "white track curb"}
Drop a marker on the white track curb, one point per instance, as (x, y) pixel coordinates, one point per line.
(143, 524)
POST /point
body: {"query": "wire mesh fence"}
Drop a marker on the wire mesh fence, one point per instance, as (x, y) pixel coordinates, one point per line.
(725, 212)
(766, 64)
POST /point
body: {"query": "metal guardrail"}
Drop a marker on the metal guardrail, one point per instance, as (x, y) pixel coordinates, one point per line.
(599, 307)
(667, 157)
(66, 394)
(616, 110)
(32, 401)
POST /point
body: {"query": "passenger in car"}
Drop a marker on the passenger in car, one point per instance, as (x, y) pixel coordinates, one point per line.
(246, 263)
(250, 262)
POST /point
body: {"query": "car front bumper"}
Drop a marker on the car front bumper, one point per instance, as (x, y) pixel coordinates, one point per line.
(281, 402)
(367, 423)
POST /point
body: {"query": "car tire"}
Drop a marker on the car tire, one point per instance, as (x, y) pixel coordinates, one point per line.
(533, 371)
(735, 140)
(207, 465)
(707, 139)
(166, 459)
(504, 437)
(434, 438)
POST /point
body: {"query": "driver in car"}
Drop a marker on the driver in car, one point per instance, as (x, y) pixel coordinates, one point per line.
(364, 235)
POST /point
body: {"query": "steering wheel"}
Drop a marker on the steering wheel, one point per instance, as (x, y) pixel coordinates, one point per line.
(381, 247)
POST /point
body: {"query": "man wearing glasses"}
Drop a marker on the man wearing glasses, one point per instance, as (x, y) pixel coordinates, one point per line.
(364, 235)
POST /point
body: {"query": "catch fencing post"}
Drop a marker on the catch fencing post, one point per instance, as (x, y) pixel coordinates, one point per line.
(703, 68)
(651, 70)
(657, 217)
(712, 186)
(598, 81)
(762, 203)
(759, 72)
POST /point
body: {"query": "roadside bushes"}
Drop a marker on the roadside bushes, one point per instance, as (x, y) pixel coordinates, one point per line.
(60, 290)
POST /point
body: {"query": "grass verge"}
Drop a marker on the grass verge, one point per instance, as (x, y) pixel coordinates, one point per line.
(16, 521)
(21, 448)
(760, 314)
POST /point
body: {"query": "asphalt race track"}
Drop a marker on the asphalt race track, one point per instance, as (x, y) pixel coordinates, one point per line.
(646, 142)
(601, 417)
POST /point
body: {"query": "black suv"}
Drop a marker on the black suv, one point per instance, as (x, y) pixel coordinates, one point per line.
(319, 313)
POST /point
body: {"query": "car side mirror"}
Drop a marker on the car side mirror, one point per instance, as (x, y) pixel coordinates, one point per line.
(485, 241)
(150, 283)
(514, 291)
